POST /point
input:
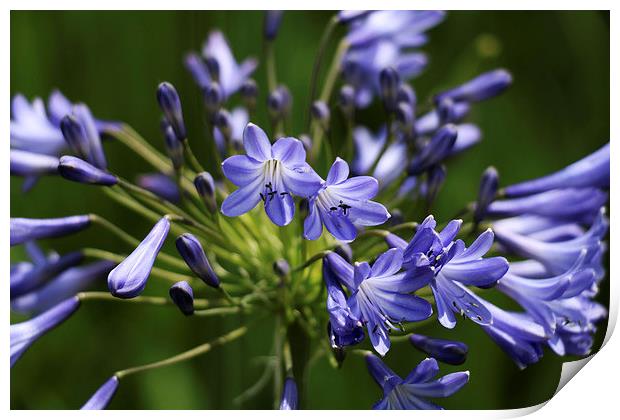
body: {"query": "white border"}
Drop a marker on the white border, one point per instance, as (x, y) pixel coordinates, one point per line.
(594, 394)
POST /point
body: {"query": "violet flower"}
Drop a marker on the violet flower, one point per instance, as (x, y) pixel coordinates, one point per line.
(289, 398)
(412, 393)
(182, 295)
(447, 351)
(268, 173)
(75, 169)
(26, 164)
(239, 118)
(342, 203)
(193, 254)
(367, 148)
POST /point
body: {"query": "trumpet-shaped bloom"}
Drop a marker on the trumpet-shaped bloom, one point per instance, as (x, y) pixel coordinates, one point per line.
(591, 171)
(23, 230)
(412, 393)
(381, 296)
(447, 351)
(268, 173)
(24, 334)
(102, 397)
(129, 278)
(342, 203)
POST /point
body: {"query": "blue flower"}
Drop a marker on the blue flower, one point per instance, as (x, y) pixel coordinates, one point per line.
(381, 296)
(129, 278)
(239, 118)
(447, 351)
(486, 192)
(24, 334)
(231, 75)
(161, 185)
(412, 393)
(269, 174)
(591, 171)
(342, 203)
(289, 398)
(75, 169)
(23, 230)
(170, 104)
(367, 148)
(66, 284)
(455, 267)
(480, 88)
(31, 128)
(102, 397)
(193, 254)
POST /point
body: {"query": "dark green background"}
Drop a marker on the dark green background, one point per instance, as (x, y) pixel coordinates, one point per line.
(556, 112)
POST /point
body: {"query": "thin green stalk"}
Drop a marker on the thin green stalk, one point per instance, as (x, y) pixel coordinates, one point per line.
(311, 260)
(270, 62)
(190, 354)
(226, 310)
(193, 161)
(150, 300)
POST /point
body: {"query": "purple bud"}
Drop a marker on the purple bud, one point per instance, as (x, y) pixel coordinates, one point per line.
(273, 18)
(446, 111)
(346, 101)
(182, 295)
(249, 93)
(487, 192)
(320, 112)
(405, 117)
(436, 178)
(447, 351)
(191, 250)
(406, 94)
(75, 169)
(206, 190)
(389, 81)
(75, 135)
(289, 398)
(24, 334)
(479, 88)
(174, 147)
(161, 185)
(281, 267)
(435, 151)
(95, 155)
(129, 278)
(170, 104)
(196, 66)
(27, 163)
(42, 273)
(213, 67)
(23, 230)
(279, 102)
(101, 398)
(222, 120)
(213, 97)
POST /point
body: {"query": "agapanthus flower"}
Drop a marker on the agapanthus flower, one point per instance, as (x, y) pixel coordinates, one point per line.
(170, 104)
(23, 229)
(455, 267)
(447, 351)
(101, 398)
(129, 278)
(289, 398)
(231, 75)
(412, 393)
(24, 334)
(161, 185)
(342, 203)
(590, 171)
(63, 286)
(381, 294)
(268, 173)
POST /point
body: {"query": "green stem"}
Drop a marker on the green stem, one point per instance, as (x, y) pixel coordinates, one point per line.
(196, 351)
(312, 260)
(270, 62)
(226, 310)
(151, 300)
(193, 161)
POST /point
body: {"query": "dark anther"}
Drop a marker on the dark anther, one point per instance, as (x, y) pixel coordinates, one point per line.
(262, 197)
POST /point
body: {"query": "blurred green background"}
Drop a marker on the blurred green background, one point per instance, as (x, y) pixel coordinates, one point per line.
(556, 112)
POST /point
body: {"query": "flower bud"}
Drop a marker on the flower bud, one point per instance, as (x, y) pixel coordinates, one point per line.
(75, 169)
(170, 104)
(279, 102)
(23, 230)
(182, 295)
(435, 151)
(487, 192)
(25, 163)
(436, 178)
(101, 398)
(129, 278)
(24, 334)
(95, 156)
(389, 81)
(174, 148)
(447, 351)
(405, 118)
(346, 101)
(191, 250)
(161, 185)
(281, 267)
(206, 190)
(289, 398)
(483, 87)
(213, 67)
(213, 97)
(249, 93)
(321, 114)
(75, 136)
(273, 18)
(406, 94)
(42, 273)
(446, 111)
(222, 120)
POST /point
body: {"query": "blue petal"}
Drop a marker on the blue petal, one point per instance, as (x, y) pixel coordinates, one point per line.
(480, 273)
(256, 143)
(448, 233)
(242, 170)
(280, 208)
(339, 225)
(478, 248)
(341, 269)
(387, 263)
(369, 213)
(338, 172)
(401, 307)
(289, 151)
(443, 387)
(243, 200)
(357, 188)
(301, 180)
(313, 228)
(424, 372)
(361, 272)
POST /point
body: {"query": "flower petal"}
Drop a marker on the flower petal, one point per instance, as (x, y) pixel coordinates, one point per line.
(481, 272)
(289, 151)
(339, 225)
(424, 372)
(242, 170)
(368, 213)
(313, 228)
(443, 387)
(338, 173)
(357, 188)
(387, 263)
(243, 200)
(301, 180)
(256, 143)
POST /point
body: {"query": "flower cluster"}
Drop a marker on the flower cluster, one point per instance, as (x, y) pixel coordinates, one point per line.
(383, 275)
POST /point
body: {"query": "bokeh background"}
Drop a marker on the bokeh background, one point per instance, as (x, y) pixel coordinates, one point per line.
(556, 112)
